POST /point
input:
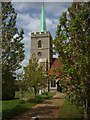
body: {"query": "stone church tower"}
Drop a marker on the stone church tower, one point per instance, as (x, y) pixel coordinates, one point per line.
(41, 43)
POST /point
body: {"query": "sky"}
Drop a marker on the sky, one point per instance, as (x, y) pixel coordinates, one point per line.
(28, 18)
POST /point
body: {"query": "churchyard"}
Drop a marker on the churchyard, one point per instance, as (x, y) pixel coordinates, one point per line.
(41, 75)
(15, 107)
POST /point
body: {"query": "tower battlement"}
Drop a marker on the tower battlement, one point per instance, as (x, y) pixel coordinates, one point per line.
(40, 34)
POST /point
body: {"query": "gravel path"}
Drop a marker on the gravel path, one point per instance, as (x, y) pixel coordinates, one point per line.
(49, 109)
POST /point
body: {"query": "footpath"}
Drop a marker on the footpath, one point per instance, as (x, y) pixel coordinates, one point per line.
(47, 110)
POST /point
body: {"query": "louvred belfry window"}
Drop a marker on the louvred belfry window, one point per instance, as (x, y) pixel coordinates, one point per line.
(39, 44)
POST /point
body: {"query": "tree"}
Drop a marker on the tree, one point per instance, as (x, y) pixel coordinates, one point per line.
(72, 44)
(12, 49)
(21, 84)
(34, 75)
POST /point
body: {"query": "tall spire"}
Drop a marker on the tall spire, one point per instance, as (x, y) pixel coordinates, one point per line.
(42, 26)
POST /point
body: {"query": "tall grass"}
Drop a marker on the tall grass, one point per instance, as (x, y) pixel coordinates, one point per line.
(70, 111)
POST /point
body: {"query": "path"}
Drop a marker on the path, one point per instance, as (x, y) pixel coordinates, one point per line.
(48, 109)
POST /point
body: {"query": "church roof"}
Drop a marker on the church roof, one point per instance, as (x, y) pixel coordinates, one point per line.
(42, 26)
(56, 67)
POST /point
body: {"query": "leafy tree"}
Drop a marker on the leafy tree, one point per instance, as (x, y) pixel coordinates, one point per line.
(34, 75)
(8, 84)
(72, 44)
(21, 84)
(12, 49)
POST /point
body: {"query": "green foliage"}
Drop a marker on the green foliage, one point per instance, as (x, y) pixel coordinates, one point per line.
(46, 95)
(34, 75)
(20, 82)
(70, 111)
(12, 48)
(8, 85)
(72, 44)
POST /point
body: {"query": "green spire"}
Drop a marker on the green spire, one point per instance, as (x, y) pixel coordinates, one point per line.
(42, 26)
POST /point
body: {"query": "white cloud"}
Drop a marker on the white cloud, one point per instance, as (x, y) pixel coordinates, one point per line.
(54, 8)
(23, 6)
(26, 41)
(28, 22)
(51, 23)
(20, 6)
(26, 60)
(32, 23)
(44, 0)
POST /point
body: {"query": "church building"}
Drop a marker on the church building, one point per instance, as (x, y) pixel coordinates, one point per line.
(41, 46)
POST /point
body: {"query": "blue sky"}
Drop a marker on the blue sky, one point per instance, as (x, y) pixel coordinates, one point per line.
(28, 18)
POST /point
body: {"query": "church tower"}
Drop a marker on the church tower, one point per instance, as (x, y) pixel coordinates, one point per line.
(41, 43)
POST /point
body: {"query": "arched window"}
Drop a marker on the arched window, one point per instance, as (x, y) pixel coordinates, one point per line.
(39, 54)
(39, 44)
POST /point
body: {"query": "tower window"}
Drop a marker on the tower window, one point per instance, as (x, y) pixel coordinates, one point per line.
(39, 44)
(39, 54)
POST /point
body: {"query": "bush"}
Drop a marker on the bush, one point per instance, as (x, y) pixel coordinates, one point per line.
(45, 93)
(8, 92)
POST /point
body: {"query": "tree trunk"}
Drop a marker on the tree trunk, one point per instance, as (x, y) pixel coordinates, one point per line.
(48, 86)
(35, 91)
(21, 94)
(86, 110)
(89, 108)
(85, 114)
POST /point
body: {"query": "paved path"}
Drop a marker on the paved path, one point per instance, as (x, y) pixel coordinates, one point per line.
(46, 110)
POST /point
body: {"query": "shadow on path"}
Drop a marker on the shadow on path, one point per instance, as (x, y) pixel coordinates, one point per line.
(48, 109)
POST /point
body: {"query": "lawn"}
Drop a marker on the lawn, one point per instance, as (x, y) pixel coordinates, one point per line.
(12, 108)
(70, 111)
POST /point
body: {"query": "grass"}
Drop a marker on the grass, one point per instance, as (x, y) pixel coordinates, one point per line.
(12, 108)
(25, 95)
(70, 111)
